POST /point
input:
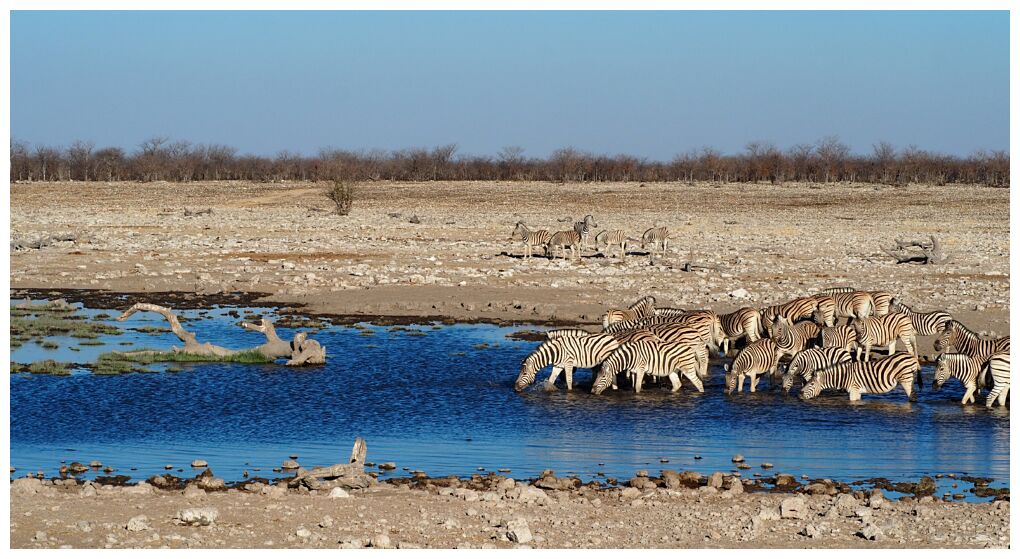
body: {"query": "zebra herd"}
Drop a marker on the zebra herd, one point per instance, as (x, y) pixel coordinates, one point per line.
(643, 340)
(577, 239)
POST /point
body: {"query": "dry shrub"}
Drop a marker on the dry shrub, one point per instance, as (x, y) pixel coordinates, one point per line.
(341, 194)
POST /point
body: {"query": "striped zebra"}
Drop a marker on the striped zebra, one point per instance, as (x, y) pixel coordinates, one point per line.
(584, 228)
(825, 312)
(965, 340)
(851, 303)
(757, 358)
(565, 354)
(745, 322)
(565, 332)
(962, 367)
(998, 364)
(643, 307)
(611, 238)
(563, 240)
(884, 331)
(531, 238)
(655, 236)
(638, 324)
(924, 323)
(882, 299)
(794, 338)
(804, 364)
(867, 377)
(843, 337)
(706, 322)
(658, 359)
(671, 312)
(794, 310)
(697, 336)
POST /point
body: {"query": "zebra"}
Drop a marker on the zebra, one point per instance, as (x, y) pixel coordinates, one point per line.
(793, 338)
(671, 312)
(998, 364)
(851, 303)
(881, 299)
(745, 322)
(698, 336)
(962, 367)
(654, 236)
(584, 228)
(794, 310)
(965, 340)
(652, 358)
(612, 238)
(565, 332)
(804, 364)
(884, 331)
(825, 313)
(867, 377)
(564, 240)
(531, 238)
(841, 336)
(643, 307)
(757, 358)
(924, 323)
(565, 354)
(637, 324)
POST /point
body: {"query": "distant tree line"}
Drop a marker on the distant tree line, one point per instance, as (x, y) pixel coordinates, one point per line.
(828, 160)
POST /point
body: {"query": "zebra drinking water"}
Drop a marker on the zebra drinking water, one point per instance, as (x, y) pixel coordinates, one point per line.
(565, 353)
(804, 364)
(867, 377)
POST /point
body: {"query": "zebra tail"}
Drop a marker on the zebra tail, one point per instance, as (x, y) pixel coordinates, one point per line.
(917, 374)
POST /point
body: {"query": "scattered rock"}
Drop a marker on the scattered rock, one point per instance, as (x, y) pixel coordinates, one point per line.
(204, 516)
(793, 507)
(517, 531)
(290, 465)
(339, 493)
(716, 480)
(871, 532)
(199, 464)
(138, 524)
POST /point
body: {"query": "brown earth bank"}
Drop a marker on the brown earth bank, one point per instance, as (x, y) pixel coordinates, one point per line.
(676, 510)
(443, 250)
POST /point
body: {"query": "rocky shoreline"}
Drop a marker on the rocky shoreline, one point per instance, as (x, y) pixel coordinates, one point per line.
(674, 509)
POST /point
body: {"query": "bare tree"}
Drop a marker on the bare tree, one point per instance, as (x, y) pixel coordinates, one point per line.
(80, 154)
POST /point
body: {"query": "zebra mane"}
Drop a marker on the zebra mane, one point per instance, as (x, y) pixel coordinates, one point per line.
(834, 290)
(956, 324)
(646, 301)
(566, 332)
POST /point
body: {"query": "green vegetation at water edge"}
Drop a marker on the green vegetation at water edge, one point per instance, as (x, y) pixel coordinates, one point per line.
(112, 363)
(44, 367)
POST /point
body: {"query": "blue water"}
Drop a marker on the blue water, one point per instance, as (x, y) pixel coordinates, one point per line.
(442, 405)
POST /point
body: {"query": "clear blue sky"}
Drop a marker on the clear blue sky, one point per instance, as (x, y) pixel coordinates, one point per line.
(646, 83)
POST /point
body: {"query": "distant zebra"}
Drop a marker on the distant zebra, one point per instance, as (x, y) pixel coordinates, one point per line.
(842, 337)
(884, 331)
(757, 358)
(866, 377)
(584, 228)
(654, 237)
(962, 367)
(564, 240)
(745, 322)
(531, 238)
(643, 307)
(998, 364)
(660, 359)
(565, 354)
(924, 323)
(611, 239)
(794, 310)
(965, 340)
(804, 364)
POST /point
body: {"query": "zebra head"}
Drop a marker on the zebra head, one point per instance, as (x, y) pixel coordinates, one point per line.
(602, 382)
(520, 231)
(862, 333)
(731, 379)
(526, 376)
(942, 371)
(946, 338)
(590, 221)
(812, 388)
(788, 379)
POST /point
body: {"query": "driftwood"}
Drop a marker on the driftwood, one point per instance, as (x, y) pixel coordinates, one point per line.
(26, 244)
(350, 474)
(921, 251)
(193, 213)
(300, 351)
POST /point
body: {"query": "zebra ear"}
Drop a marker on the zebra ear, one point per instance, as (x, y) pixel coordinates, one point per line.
(726, 367)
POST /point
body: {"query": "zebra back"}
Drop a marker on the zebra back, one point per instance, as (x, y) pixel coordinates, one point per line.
(871, 377)
(958, 365)
(805, 363)
(925, 324)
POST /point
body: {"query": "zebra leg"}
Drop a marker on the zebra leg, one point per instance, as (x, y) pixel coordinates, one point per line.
(908, 387)
(740, 383)
(674, 379)
(969, 395)
(867, 352)
(568, 372)
(753, 381)
(855, 395)
(554, 375)
(892, 347)
(695, 381)
(638, 379)
(1003, 394)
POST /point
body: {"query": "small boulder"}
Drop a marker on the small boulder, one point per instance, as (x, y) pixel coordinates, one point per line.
(204, 516)
(339, 493)
(290, 465)
(793, 507)
(871, 532)
(199, 463)
(517, 531)
(716, 480)
(138, 524)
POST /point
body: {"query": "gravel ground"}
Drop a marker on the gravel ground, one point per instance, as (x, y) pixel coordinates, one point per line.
(776, 242)
(492, 513)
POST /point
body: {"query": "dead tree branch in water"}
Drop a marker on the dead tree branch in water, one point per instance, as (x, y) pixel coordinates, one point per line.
(300, 351)
(920, 251)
